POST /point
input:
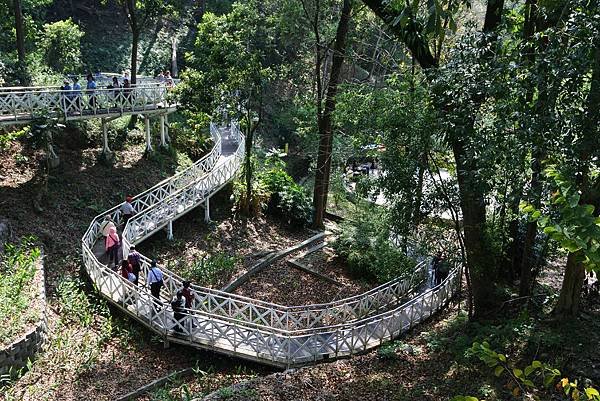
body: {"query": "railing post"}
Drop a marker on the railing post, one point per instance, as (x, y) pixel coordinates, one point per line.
(167, 137)
(148, 138)
(105, 148)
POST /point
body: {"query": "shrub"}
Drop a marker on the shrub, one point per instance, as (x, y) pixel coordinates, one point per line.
(287, 198)
(364, 244)
(275, 190)
(191, 135)
(17, 271)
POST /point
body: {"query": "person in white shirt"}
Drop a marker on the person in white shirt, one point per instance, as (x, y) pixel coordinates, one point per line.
(155, 279)
(127, 209)
(106, 225)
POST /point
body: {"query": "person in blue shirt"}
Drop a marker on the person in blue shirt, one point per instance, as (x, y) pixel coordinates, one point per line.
(155, 279)
(90, 89)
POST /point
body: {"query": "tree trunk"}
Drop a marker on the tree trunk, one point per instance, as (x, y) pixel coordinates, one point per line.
(325, 122)
(479, 264)
(568, 302)
(22, 73)
(135, 31)
(248, 169)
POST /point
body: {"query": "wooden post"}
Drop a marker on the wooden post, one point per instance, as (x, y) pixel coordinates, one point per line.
(105, 148)
(163, 142)
(148, 139)
(207, 210)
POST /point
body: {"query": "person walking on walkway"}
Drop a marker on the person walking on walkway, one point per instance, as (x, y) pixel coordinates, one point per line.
(127, 210)
(178, 312)
(187, 294)
(77, 94)
(106, 225)
(126, 270)
(134, 259)
(91, 91)
(155, 279)
(112, 245)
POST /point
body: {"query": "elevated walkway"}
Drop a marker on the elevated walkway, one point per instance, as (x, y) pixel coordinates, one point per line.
(268, 333)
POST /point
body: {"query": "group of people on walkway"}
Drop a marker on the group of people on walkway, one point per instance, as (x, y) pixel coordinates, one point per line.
(131, 266)
(121, 93)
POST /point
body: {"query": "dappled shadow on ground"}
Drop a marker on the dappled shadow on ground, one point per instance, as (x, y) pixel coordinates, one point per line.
(432, 361)
(78, 190)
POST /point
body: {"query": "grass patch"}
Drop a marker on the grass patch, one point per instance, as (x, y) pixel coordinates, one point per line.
(17, 290)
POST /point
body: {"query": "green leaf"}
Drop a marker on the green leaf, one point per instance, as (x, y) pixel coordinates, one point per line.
(518, 372)
(591, 392)
(498, 371)
(548, 380)
(528, 370)
(570, 245)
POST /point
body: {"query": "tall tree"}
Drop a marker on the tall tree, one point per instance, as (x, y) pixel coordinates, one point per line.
(20, 31)
(324, 118)
(404, 22)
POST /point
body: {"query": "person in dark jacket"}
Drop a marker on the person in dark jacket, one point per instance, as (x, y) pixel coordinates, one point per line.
(178, 305)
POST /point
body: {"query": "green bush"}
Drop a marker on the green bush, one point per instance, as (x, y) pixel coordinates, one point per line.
(61, 46)
(17, 272)
(364, 244)
(287, 198)
(190, 135)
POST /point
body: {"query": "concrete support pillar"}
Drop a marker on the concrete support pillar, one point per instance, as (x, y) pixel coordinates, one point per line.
(105, 148)
(163, 142)
(167, 137)
(170, 230)
(207, 210)
(148, 138)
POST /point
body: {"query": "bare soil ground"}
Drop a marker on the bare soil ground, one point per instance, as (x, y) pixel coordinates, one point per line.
(283, 284)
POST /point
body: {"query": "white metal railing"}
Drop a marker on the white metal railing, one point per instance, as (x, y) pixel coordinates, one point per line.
(23, 105)
(241, 326)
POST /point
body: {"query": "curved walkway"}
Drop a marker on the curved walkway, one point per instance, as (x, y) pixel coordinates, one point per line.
(256, 330)
(247, 328)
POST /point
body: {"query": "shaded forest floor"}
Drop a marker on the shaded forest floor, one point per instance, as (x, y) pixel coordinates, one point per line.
(433, 361)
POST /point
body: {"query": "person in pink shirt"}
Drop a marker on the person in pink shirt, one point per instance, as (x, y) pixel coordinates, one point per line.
(112, 245)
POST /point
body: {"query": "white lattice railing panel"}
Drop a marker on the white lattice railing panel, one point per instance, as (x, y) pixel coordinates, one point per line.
(24, 105)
